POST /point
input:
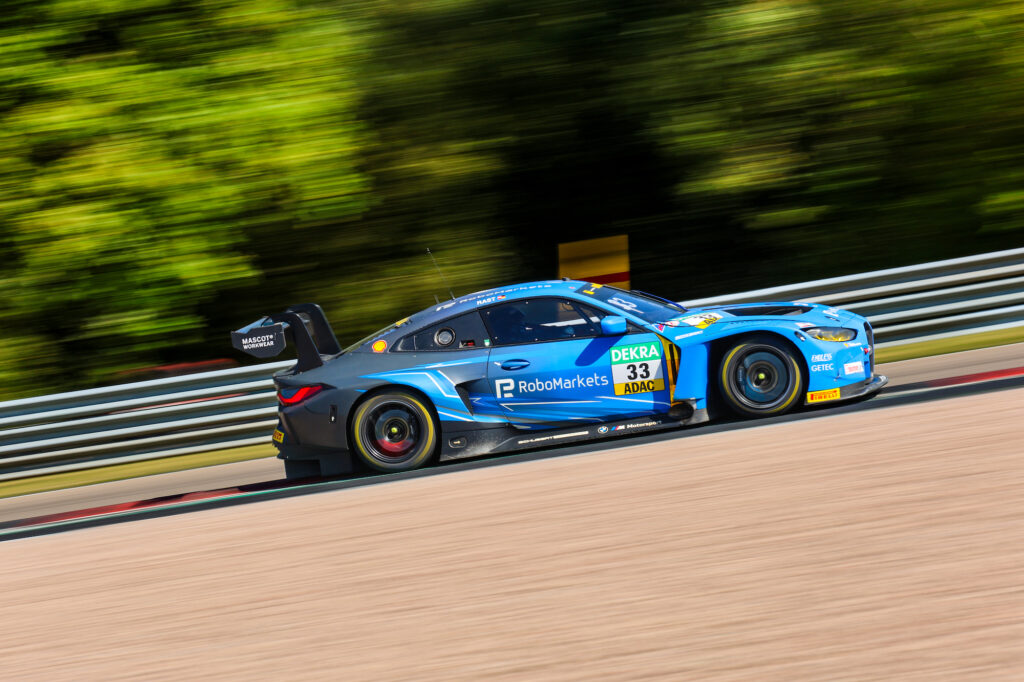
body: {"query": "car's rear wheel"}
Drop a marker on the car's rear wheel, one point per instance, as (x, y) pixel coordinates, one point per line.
(760, 376)
(394, 431)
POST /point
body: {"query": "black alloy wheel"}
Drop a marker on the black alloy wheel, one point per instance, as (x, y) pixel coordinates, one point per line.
(760, 376)
(394, 431)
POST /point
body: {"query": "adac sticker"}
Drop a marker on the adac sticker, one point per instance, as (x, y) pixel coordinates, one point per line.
(637, 368)
(822, 396)
(702, 320)
(278, 436)
(379, 346)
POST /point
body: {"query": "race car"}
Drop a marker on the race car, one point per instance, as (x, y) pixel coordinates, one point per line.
(546, 363)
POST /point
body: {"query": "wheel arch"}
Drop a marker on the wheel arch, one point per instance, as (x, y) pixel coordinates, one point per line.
(719, 346)
(384, 388)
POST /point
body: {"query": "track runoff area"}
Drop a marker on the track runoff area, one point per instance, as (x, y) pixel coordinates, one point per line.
(927, 379)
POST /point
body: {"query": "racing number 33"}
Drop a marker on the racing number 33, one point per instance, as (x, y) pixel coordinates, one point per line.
(644, 373)
(637, 368)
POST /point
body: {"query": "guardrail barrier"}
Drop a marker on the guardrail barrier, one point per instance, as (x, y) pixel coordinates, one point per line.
(235, 407)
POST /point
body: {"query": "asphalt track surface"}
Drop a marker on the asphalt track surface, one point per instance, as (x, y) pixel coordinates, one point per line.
(940, 377)
(871, 544)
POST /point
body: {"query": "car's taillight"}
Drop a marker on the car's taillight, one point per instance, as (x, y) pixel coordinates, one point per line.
(294, 396)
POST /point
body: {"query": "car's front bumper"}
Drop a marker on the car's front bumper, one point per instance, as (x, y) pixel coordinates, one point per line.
(861, 389)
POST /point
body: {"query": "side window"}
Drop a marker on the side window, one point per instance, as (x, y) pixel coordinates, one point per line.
(457, 333)
(595, 315)
(539, 319)
(592, 313)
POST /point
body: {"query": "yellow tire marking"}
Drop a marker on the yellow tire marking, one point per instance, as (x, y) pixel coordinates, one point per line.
(796, 385)
(725, 372)
(357, 420)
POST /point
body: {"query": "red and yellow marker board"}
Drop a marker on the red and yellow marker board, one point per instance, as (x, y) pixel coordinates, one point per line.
(602, 261)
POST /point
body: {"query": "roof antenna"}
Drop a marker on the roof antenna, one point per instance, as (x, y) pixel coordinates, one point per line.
(441, 273)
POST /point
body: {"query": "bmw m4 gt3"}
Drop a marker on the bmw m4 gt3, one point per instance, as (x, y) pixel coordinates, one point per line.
(545, 363)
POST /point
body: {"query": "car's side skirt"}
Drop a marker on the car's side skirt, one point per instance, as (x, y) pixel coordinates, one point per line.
(507, 439)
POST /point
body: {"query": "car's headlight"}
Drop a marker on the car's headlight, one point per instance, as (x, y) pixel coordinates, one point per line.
(830, 333)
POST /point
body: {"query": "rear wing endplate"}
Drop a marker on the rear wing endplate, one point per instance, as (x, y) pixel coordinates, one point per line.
(305, 325)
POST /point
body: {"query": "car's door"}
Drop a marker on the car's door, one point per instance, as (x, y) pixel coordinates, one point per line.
(550, 366)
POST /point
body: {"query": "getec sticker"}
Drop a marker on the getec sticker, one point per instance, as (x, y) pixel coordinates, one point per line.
(822, 396)
(637, 368)
(702, 320)
(822, 363)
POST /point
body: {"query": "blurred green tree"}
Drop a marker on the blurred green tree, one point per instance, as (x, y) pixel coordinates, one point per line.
(822, 137)
(149, 147)
(171, 168)
(740, 143)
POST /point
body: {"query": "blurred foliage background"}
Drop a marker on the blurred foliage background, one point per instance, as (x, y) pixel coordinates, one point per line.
(171, 169)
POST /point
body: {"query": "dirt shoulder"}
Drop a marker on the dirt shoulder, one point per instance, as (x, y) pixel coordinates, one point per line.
(883, 544)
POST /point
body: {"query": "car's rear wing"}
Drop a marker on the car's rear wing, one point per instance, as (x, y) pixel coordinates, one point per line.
(305, 325)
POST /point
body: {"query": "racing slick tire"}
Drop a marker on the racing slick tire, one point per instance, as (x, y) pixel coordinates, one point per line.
(760, 376)
(394, 431)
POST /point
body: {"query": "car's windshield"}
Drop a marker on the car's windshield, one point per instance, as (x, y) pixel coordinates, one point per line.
(645, 307)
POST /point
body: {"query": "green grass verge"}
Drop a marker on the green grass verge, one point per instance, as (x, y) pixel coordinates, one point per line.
(909, 351)
(118, 472)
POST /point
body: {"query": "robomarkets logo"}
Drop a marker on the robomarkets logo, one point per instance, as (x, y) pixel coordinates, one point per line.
(637, 368)
(508, 388)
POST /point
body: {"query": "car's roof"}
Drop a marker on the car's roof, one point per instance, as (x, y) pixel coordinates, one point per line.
(446, 309)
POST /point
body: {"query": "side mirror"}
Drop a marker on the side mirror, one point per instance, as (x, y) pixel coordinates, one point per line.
(613, 325)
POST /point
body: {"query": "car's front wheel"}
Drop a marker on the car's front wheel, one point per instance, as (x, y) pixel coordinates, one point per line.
(394, 431)
(760, 376)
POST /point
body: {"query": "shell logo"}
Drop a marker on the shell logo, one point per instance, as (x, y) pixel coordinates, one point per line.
(379, 346)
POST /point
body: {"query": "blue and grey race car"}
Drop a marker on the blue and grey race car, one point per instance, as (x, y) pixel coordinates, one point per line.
(545, 363)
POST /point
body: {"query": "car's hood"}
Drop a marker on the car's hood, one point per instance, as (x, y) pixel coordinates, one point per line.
(806, 313)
